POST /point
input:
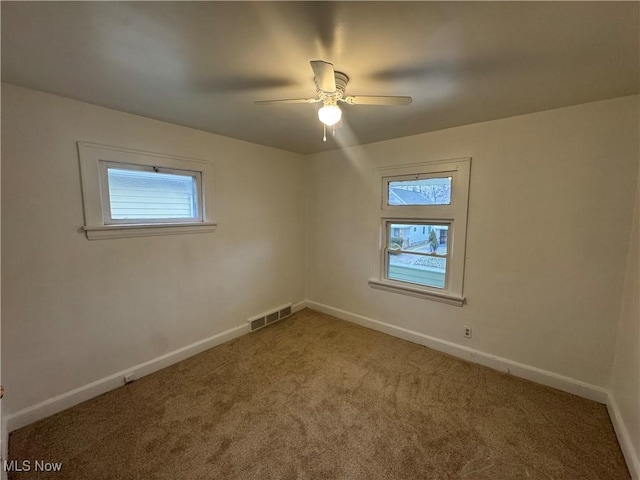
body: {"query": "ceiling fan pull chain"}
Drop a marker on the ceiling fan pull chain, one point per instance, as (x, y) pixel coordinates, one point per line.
(334, 130)
(324, 138)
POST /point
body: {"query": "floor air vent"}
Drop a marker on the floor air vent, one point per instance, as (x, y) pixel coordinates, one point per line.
(259, 323)
(268, 318)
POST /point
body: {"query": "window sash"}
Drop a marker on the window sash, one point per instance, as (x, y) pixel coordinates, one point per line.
(386, 183)
(404, 179)
(386, 251)
(106, 194)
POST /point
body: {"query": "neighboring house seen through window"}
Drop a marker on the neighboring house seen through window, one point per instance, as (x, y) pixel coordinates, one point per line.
(142, 194)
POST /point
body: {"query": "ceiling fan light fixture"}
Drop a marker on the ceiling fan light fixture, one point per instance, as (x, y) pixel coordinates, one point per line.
(330, 114)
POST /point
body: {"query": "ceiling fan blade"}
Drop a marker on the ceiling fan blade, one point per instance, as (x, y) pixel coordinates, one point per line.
(376, 100)
(240, 83)
(325, 75)
(287, 100)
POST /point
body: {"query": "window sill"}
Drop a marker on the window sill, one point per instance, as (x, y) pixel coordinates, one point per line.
(443, 297)
(146, 230)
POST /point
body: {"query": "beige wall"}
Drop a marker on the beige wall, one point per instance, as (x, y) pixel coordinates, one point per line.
(625, 381)
(549, 219)
(75, 311)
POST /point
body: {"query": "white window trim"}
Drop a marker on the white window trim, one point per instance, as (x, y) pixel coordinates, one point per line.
(454, 214)
(92, 159)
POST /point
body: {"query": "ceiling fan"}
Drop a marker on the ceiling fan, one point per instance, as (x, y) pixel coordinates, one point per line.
(330, 87)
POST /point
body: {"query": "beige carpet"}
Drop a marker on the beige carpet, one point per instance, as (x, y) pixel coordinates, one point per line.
(313, 397)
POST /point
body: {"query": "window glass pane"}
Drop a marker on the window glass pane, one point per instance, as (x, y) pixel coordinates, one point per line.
(417, 253)
(428, 191)
(140, 194)
(418, 269)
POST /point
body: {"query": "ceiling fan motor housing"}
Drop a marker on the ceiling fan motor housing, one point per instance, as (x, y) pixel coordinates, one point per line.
(331, 98)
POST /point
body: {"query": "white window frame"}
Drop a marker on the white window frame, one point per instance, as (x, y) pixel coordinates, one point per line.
(106, 197)
(454, 215)
(94, 161)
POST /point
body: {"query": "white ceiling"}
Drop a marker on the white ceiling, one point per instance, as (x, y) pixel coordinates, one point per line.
(202, 64)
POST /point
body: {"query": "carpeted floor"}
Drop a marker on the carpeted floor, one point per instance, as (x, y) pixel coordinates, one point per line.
(313, 397)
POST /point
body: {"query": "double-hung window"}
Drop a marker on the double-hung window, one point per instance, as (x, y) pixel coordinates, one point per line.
(422, 217)
(132, 193)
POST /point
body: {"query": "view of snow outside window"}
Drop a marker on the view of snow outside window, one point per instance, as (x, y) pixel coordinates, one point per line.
(418, 253)
(141, 194)
(428, 191)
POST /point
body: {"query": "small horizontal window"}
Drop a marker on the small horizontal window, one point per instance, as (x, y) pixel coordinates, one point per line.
(130, 193)
(416, 191)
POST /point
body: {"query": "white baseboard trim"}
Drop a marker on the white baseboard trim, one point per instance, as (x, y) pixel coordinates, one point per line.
(534, 374)
(629, 452)
(299, 306)
(66, 400)
(537, 375)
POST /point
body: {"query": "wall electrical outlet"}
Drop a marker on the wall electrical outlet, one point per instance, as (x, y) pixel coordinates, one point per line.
(129, 377)
(467, 332)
